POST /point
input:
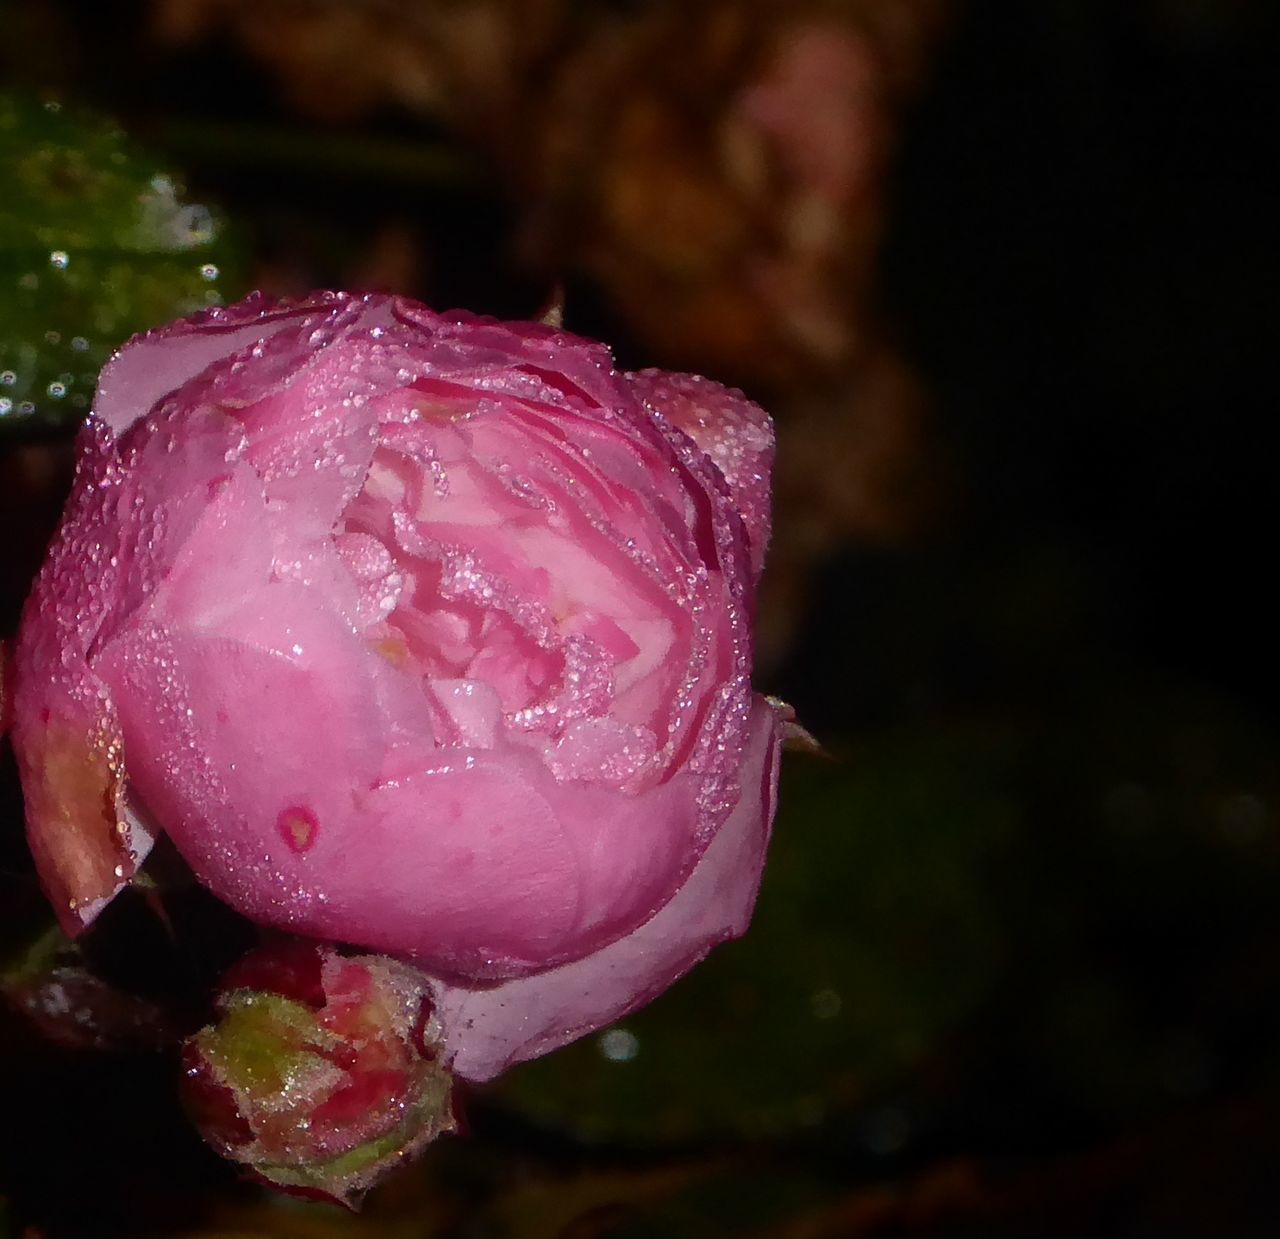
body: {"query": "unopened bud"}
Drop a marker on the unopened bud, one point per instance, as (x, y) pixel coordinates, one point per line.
(320, 1074)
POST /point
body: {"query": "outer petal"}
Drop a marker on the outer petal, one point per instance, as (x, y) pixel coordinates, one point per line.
(523, 360)
(136, 500)
(487, 1030)
(735, 433)
(486, 867)
(69, 755)
(252, 742)
(155, 363)
(66, 735)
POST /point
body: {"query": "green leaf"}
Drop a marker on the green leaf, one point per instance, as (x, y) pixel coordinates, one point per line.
(96, 243)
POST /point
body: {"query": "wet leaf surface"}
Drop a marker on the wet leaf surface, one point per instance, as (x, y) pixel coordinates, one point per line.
(96, 242)
(873, 937)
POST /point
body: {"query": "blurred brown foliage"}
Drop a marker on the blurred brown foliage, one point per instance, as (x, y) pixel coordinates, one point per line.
(717, 169)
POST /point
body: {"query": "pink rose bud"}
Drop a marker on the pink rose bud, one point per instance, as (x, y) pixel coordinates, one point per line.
(420, 632)
(322, 1070)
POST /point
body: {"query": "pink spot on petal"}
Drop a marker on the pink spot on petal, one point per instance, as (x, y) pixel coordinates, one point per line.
(298, 827)
(217, 485)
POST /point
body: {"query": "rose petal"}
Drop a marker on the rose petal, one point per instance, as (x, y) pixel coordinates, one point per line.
(252, 743)
(487, 1030)
(484, 866)
(151, 365)
(66, 735)
(734, 432)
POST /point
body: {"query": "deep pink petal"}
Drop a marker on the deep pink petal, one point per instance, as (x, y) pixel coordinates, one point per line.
(734, 432)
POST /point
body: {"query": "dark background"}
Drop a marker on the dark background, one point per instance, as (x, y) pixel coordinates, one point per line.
(1016, 964)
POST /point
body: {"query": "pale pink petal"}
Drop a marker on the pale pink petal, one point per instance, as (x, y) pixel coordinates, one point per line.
(601, 750)
(487, 1030)
(463, 866)
(485, 866)
(225, 554)
(469, 710)
(151, 365)
(252, 744)
(313, 442)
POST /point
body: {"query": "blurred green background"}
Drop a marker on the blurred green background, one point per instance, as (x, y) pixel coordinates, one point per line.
(1007, 275)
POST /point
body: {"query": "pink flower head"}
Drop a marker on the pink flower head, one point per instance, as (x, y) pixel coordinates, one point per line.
(424, 633)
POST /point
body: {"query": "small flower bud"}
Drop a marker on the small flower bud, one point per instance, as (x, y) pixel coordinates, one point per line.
(321, 1073)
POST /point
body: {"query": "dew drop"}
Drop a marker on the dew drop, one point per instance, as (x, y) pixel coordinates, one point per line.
(194, 224)
(619, 1046)
(58, 259)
